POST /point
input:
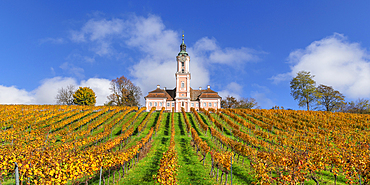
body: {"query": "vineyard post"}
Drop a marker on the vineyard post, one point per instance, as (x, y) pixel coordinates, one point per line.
(123, 170)
(16, 174)
(359, 178)
(231, 170)
(101, 168)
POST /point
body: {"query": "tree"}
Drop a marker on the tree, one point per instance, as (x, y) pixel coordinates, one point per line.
(84, 96)
(244, 103)
(124, 93)
(329, 99)
(361, 106)
(303, 89)
(65, 95)
(247, 103)
(277, 107)
(229, 103)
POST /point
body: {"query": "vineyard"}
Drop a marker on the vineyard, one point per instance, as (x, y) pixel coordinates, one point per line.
(51, 144)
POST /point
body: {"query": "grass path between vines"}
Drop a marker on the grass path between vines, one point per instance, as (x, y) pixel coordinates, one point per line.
(144, 170)
(241, 175)
(190, 170)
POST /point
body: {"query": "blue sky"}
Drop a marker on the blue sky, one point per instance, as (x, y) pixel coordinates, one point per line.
(242, 48)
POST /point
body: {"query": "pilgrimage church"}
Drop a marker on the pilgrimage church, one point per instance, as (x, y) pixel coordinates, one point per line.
(182, 95)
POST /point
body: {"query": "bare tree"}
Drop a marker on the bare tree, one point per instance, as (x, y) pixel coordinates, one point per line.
(124, 93)
(65, 95)
(243, 103)
(360, 106)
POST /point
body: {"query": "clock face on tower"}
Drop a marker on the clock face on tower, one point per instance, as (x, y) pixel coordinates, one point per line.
(182, 59)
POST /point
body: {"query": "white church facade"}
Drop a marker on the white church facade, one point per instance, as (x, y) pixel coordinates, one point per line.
(182, 95)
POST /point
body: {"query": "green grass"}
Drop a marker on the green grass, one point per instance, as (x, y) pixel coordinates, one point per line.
(190, 170)
(242, 174)
(144, 170)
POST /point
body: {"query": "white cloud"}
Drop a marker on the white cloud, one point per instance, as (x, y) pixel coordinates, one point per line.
(72, 69)
(261, 96)
(335, 62)
(158, 47)
(231, 56)
(101, 88)
(47, 91)
(100, 32)
(13, 95)
(232, 89)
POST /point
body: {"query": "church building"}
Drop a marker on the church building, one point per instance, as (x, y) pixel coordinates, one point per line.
(182, 95)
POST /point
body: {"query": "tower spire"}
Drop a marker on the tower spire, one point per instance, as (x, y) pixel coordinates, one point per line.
(183, 37)
(183, 46)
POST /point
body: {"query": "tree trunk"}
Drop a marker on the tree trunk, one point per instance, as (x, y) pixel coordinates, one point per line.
(313, 178)
(308, 104)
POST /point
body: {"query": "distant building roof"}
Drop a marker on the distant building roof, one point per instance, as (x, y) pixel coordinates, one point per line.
(170, 95)
(160, 93)
(199, 94)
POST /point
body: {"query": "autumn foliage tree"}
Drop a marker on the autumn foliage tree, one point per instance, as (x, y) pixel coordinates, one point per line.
(329, 99)
(124, 93)
(84, 96)
(303, 89)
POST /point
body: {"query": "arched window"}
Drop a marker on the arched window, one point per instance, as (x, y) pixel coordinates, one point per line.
(182, 64)
(183, 104)
(150, 104)
(182, 70)
(182, 84)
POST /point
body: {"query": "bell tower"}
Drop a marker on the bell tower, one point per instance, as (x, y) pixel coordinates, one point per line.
(182, 79)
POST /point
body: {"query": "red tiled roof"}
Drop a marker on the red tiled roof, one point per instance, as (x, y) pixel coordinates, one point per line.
(159, 93)
(207, 93)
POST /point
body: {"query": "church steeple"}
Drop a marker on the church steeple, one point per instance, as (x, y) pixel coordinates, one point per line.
(183, 47)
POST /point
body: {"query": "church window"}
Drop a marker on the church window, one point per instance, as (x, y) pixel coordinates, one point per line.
(182, 64)
(173, 104)
(150, 104)
(155, 103)
(192, 104)
(204, 104)
(182, 84)
(168, 104)
(209, 104)
(215, 104)
(160, 103)
(182, 94)
(182, 71)
(183, 104)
